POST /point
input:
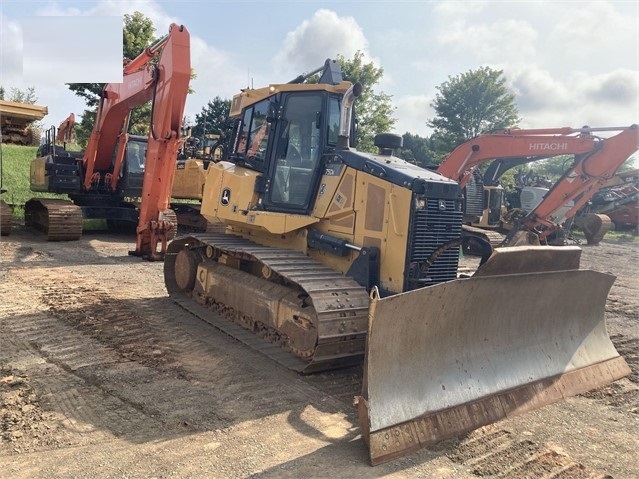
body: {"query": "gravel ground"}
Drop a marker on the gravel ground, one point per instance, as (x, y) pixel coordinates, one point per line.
(102, 376)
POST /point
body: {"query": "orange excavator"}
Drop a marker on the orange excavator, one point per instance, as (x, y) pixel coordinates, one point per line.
(66, 130)
(98, 180)
(596, 160)
(576, 187)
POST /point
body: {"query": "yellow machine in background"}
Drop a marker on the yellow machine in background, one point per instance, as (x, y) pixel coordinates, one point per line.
(339, 257)
(190, 175)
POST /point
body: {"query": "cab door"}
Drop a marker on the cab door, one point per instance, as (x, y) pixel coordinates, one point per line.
(295, 162)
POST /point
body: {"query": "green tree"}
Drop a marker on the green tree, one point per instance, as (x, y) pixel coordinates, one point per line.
(470, 104)
(417, 149)
(373, 110)
(17, 95)
(137, 34)
(214, 118)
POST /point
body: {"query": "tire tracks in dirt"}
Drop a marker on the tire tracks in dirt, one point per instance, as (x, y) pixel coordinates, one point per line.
(102, 354)
(129, 348)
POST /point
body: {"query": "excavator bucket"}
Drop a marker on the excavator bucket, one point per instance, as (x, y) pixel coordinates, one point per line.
(447, 359)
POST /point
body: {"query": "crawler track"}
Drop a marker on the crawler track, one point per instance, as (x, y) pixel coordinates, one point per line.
(60, 220)
(336, 305)
(5, 219)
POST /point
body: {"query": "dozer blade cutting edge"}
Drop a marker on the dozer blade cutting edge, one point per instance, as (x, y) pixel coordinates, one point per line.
(447, 359)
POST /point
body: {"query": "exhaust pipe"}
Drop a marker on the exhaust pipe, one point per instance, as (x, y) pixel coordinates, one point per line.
(346, 114)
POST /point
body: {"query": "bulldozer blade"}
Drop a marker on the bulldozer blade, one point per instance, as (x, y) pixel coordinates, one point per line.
(444, 360)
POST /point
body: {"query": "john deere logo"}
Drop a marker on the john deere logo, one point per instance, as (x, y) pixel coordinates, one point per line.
(226, 196)
(442, 205)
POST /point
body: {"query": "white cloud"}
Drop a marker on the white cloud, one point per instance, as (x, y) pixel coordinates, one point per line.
(10, 51)
(499, 41)
(323, 36)
(107, 8)
(412, 114)
(216, 76)
(594, 25)
(544, 100)
(457, 9)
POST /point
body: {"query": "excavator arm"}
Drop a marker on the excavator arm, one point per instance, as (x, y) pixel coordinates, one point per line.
(170, 87)
(66, 130)
(579, 184)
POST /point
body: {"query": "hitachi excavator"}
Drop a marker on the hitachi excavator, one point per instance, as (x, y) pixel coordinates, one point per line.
(328, 256)
(113, 165)
(596, 160)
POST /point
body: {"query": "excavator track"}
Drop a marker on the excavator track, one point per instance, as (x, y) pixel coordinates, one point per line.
(60, 220)
(5, 219)
(493, 237)
(290, 307)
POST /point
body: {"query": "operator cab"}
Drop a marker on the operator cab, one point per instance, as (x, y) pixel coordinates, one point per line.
(133, 169)
(284, 137)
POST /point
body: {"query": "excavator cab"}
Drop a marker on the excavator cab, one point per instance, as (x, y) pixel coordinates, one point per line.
(133, 166)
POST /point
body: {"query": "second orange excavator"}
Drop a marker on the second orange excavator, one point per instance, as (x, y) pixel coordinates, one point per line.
(100, 180)
(596, 160)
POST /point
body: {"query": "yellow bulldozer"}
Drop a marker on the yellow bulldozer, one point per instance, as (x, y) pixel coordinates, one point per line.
(335, 257)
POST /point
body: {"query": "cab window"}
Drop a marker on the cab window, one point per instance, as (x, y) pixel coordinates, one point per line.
(298, 151)
(253, 135)
(332, 125)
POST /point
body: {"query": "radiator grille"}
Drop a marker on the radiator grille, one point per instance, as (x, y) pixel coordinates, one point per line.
(431, 227)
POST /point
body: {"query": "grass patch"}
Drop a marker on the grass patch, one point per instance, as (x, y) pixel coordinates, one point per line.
(622, 236)
(16, 161)
(630, 236)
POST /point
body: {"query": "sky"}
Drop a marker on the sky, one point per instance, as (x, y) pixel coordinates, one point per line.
(569, 63)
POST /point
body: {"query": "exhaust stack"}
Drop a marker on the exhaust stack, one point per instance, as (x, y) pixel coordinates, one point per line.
(346, 114)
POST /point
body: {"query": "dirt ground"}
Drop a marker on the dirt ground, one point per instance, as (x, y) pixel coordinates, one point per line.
(102, 376)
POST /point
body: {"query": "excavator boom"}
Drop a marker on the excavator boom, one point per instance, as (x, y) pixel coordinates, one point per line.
(534, 144)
